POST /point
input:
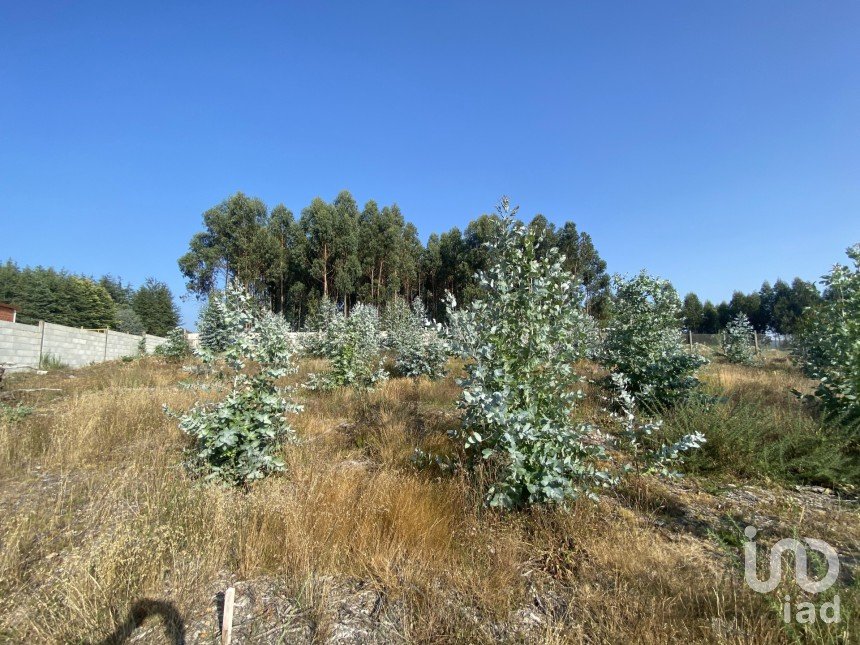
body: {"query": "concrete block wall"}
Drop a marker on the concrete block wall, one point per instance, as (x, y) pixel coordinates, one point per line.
(74, 347)
(22, 345)
(152, 342)
(118, 344)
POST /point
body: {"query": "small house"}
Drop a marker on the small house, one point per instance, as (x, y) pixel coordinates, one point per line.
(7, 312)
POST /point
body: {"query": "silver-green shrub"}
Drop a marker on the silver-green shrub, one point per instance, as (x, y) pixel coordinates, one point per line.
(176, 347)
(641, 441)
(738, 341)
(643, 341)
(414, 341)
(828, 343)
(592, 340)
(235, 440)
(317, 326)
(520, 339)
(351, 343)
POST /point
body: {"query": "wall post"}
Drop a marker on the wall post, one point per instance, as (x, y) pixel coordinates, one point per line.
(41, 342)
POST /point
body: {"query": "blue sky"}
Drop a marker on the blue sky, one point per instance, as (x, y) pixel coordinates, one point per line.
(714, 143)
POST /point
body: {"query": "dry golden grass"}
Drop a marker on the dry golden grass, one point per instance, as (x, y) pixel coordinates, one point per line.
(98, 514)
(774, 381)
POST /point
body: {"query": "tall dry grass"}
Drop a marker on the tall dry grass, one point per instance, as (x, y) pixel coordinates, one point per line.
(97, 513)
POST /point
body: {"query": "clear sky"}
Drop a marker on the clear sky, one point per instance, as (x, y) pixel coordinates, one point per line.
(716, 144)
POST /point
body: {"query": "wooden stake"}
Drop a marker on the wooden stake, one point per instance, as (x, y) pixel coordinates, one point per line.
(227, 622)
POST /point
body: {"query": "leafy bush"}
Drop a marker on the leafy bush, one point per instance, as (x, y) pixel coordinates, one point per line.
(520, 338)
(212, 324)
(235, 439)
(12, 414)
(643, 442)
(176, 347)
(351, 343)
(418, 349)
(643, 341)
(828, 343)
(738, 341)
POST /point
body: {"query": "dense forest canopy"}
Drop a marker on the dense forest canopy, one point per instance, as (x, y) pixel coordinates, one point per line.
(778, 308)
(349, 254)
(78, 301)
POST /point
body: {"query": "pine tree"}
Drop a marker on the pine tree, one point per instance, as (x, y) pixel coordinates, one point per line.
(212, 324)
(153, 302)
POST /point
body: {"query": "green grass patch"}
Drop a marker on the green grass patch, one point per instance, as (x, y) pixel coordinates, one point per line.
(749, 439)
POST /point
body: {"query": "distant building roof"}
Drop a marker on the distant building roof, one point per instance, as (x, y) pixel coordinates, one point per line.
(6, 304)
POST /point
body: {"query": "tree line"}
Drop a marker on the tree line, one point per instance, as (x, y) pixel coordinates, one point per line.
(778, 308)
(63, 298)
(336, 250)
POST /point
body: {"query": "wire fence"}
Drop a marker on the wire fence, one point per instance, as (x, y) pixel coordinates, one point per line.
(761, 341)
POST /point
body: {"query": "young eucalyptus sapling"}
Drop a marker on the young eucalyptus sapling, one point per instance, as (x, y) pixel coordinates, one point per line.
(351, 343)
(317, 326)
(520, 339)
(828, 343)
(176, 347)
(641, 441)
(643, 341)
(235, 440)
(415, 342)
(738, 341)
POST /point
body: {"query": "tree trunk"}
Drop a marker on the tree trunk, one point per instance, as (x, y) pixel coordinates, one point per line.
(379, 288)
(325, 270)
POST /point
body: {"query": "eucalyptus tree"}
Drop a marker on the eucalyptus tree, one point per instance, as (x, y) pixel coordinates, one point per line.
(229, 246)
(828, 342)
(318, 222)
(414, 341)
(286, 237)
(738, 340)
(351, 343)
(521, 336)
(346, 266)
(430, 270)
(234, 441)
(644, 341)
